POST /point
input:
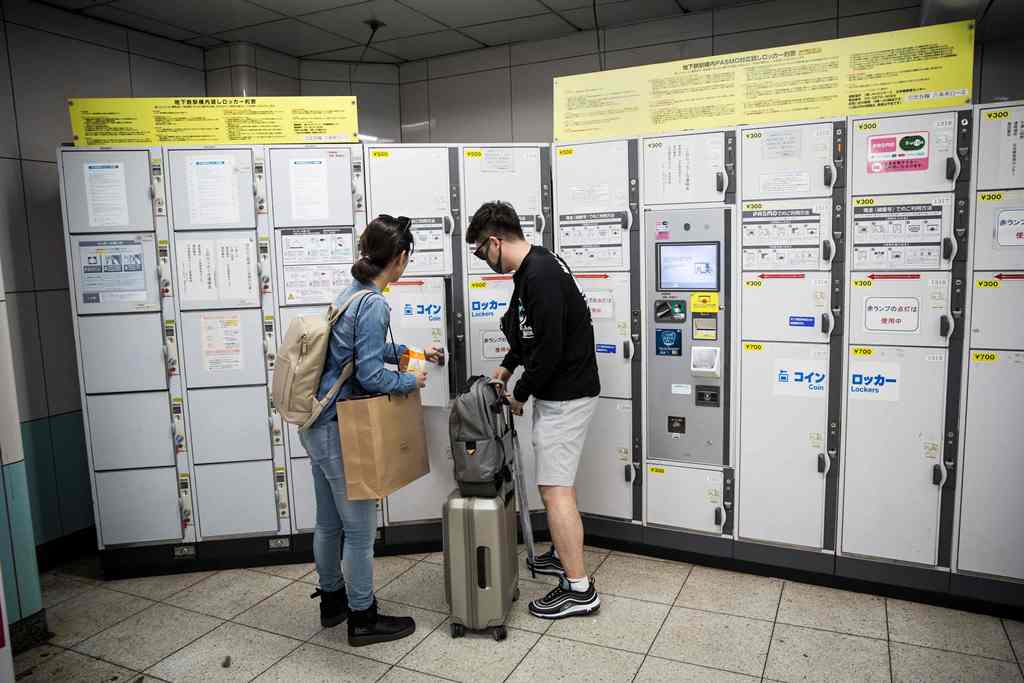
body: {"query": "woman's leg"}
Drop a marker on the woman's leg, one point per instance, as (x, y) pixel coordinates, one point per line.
(327, 533)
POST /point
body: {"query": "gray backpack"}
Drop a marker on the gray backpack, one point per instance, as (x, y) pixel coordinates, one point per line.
(481, 439)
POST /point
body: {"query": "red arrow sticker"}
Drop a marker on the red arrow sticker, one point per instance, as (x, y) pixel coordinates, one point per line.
(781, 276)
(895, 276)
(1009, 276)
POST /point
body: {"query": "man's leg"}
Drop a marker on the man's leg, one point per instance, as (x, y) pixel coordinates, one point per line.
(566, 528)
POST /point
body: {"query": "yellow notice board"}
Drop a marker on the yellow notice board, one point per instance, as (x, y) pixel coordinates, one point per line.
(916, 68)
(154, 121)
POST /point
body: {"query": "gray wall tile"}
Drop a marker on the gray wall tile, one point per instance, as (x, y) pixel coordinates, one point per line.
(43, 81)
(324, 71)
(45, 228)
(672, 29)
(270, 60)
(270, 84)
(60, 365)
(14, 242)
(879, 22)
(242, 54)
(153, 78)
(1001, 75)
(760, 15)
(326, 89)
(218, 83)
(415, 112)
(469, 62)
(573, 45)
(653, 54)
(167, 50)
(378, 110)
(412, 71)
(532, 95)
(29, 381)
(8, 130)
(775, 37)
(37, 15)
(374, 73)
(218, 57)
(848, 7)
(471, 108)
(244, 80)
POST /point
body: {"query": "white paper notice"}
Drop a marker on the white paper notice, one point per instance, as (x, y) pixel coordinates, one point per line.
(499, 160)
(319, 284)
(308, 179)
(212, 191)
(106, 194)
(215, 269)
(196, 259)
(112, 271)
(892, 314)
(494, 345)
(222, 341)
(236, 269)
(784, 182)
(781, 144)
(601, 302)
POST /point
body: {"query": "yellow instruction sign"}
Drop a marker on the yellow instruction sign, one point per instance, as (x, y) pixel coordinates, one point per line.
(155, 121)
(918, 68)
(704, 302)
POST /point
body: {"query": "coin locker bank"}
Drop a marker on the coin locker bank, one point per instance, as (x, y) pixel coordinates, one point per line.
(807, 335)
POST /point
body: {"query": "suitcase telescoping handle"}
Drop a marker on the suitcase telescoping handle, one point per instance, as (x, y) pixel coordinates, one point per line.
(519, 479)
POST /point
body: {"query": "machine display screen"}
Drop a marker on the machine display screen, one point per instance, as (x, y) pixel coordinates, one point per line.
(690, 267)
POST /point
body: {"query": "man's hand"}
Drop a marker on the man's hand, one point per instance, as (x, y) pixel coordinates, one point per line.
(501, 374)
(434, 354)
(516, 406)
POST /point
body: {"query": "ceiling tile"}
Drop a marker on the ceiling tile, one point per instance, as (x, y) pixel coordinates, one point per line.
(167, 50)
(375, 73)
(1002, 20)
(574, 45)
(469, 12)
(74, 4)
(294, 8)
(559, 5)
(315, 70)
(620, 13)
(349, 21)
(851, 7)
(289, 36)
(469, 62)
(670, 30)
(539, 27)
(774, 13)
(355, 54)
(136, 21)
(201, 16)
(205, 41)
(429, 45)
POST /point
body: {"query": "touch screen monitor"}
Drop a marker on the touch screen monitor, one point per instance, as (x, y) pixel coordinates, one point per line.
(688, 267)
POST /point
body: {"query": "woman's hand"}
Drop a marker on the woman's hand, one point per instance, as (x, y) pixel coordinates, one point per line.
(421, 379)
(434, 354)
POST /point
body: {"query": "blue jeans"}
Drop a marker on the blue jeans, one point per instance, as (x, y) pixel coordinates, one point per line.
(335, 514)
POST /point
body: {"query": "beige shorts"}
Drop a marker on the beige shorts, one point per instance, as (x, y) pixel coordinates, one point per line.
(559, 430)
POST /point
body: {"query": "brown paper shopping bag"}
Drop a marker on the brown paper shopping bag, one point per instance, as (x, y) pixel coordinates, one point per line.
(383, 443)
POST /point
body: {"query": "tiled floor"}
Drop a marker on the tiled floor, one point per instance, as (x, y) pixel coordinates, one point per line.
(660, 621)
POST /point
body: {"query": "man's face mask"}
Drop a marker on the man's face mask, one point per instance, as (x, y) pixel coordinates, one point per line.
(483, 251)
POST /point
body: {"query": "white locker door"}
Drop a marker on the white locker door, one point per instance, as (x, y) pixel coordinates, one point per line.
(992, 506)
(422, 499)
(130, 430)
(997, 310)
(1000, 147)
(303, 495)
(230, 424)
(592, 204)
(604, 482)
(107, 191)
(903, 232)
(999, 221)
(787, 235)
(786, 162)
(236, 499)
(608, 297)
(223, 348)
(786, 307)
(212, 188)
(912, 153)
(900, 309)
(894, 428)
(486, 301)
(783, 425)
(685, 169)
(311, 186)
(217, 270)
(138, 506)
(415, 182)
(315, 264)
(685, 498)
(115, 273)
(419, 314)
(511, 174)
(122, 353)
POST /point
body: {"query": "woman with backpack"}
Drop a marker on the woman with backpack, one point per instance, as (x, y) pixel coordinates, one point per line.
(360, 333)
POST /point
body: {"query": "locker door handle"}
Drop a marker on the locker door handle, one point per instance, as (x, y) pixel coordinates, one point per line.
(937, 475)
(949, 248)
(629, 474)
(827, 251)
(627, 349)
(541, 224)
(719, 182)
(822, 463)
(951, 168)
(829, 178)
(448, 222)
(629, 219)
(718, 516)
(828, 323)
(945, 326)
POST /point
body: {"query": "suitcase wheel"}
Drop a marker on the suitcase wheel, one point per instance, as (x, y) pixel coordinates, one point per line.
(500, 633)
(458, 630)
(515, 595)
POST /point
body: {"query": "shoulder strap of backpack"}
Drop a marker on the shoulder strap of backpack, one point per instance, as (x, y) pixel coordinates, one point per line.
(333, 316)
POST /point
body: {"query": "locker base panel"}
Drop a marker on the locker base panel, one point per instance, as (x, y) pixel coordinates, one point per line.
(680, 540)
(53, 554)
(987, 590)
(790, 558)
(892, 574)
(607, 529)
(29, 632)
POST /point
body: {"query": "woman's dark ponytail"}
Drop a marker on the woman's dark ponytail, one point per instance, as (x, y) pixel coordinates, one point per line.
(384, 239)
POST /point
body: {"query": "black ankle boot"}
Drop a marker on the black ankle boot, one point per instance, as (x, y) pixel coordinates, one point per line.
(366, 627)
(333, 606)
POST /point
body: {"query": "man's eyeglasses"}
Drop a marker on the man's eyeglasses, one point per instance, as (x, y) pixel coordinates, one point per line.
(481, 251)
